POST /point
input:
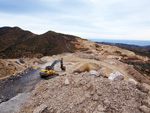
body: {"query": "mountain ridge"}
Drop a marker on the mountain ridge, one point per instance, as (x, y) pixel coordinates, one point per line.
(12, 35)
(16, 42)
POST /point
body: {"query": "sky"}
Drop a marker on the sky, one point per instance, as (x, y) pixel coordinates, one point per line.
(89, 19)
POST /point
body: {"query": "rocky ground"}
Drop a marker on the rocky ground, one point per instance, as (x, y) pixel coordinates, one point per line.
(86, 94)
(88, 86)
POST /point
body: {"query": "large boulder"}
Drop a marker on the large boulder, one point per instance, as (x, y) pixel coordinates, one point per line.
(93, 72)
(116, 74)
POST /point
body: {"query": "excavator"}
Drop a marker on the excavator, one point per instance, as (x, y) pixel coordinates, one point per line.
(49, 70)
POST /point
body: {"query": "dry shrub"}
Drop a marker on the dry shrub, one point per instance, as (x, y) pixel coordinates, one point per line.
(87, 67)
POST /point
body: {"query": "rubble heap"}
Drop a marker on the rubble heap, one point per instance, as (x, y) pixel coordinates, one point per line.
(86, 93)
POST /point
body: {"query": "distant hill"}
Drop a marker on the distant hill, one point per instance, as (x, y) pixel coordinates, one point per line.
(15, 42)
(141, 50)
(127, 45)
(12, 35)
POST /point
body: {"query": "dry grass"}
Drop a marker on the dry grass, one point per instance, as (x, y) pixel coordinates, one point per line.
(87, 67)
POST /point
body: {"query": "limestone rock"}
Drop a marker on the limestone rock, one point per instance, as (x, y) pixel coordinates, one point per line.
(114, 75)
(93, 72)
(67, 81)
(100, 108)
(132, 81)
(142, 88)
(63, 74)
(146, 86)
(144, 109)
(40, 108)
(95, 97)
(119, 78)
(146, 102)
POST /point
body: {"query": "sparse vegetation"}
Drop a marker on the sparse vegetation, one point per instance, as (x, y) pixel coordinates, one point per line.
(27, 44)
(142, 52)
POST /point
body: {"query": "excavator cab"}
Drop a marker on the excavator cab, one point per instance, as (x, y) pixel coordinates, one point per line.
(49, 70)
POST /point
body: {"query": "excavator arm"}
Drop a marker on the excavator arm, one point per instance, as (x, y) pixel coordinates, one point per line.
(54, 63)
(49, 70)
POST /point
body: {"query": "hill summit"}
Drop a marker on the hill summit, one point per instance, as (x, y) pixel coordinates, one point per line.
(15, 42)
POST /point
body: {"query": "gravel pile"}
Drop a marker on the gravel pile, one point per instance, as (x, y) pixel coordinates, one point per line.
(87, 94)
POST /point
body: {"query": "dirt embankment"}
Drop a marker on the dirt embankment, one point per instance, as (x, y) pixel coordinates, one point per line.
(10, 67)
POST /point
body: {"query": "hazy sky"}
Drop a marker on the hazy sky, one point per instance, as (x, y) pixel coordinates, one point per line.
(103, 19)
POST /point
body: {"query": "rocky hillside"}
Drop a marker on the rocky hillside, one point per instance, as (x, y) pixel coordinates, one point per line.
(15, 42)
(10, 36)
(140, 65)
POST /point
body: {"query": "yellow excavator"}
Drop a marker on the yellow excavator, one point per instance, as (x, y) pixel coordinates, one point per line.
(49, 70)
